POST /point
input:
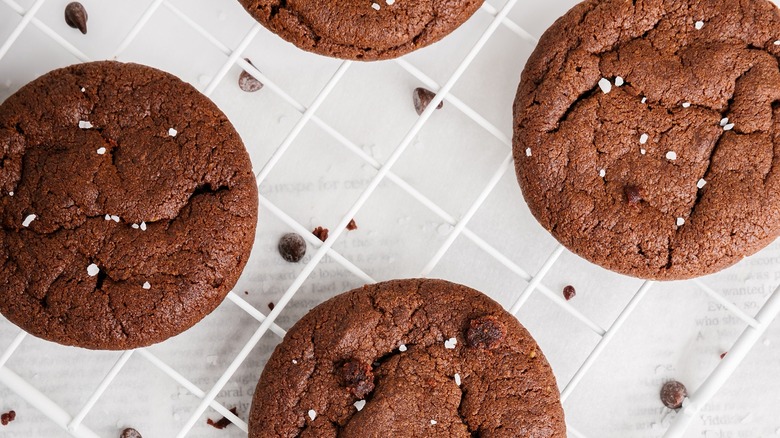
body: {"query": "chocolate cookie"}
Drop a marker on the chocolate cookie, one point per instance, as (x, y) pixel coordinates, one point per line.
(647, 133)
(127, 202)
(364, 30)
(407, 358)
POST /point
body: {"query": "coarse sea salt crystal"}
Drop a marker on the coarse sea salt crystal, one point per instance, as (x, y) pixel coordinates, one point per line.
(644, 100)
(680, 221)
(527, 152)
(135, 226)
(375, 6)
(101, 151)
(728, 127)
(172, 132)
(699, 25)
(642, 151)
(83, 124)
(390, 2)
(671, 155)
(686, 105)
(433, 422)
(602, 173)
(359, 405)
(146, 285)
(724, 121)
(92, 270)
(701, 183)
(115, 218)
(28, 220)
(777, 43)
(450, 343)
(605, 85)
(143, 226)
(643, 138)
(402, 348)
(457, 379)
(619, 81)
(108, 217)
(312, 414)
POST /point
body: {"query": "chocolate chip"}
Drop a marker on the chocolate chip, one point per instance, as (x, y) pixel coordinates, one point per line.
(422, 98)
(352, 226)
(486, 332)
(271, 305)
(130, 433)
(722, 355)
(358, 378)
(633, 195)
(76, 16)
(292, 247)
(321, 233)
(223, 422)
(247, 82)
(7, 417)
(569, 292)
(673, 393)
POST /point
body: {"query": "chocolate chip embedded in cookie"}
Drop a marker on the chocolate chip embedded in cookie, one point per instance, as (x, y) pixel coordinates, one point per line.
(407, 358)
(363, 30)
(127, 206)
(647, 133)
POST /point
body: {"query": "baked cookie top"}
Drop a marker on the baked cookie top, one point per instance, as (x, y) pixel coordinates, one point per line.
(127, 206)
(407, 358)
(364, 30)
(647, 132)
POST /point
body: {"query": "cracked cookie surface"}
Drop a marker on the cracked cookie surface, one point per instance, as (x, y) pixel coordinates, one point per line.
(647, 133)
(128, 206)
(410, 344)
(364, 30)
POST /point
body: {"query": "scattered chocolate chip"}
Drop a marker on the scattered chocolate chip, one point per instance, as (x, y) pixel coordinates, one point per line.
(633, 196)
(673, 393)
(486, 332)
(223, 422)
(292, 247)
(358, 378)
(130, 433)
(321, 233)
(271, 305)
(246, 292)
(76, 16)
(247, 82)
(352, 226)
(569, 292)
(722, 355)
(422, 98)
(7, 417)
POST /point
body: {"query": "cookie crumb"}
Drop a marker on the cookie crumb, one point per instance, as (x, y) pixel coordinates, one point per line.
(673, 393)
(358, 377)
(292, 247)
(569, 292)
(352, 226)
(486, 332)
(605, 85)
(247, 82)
(422, 97)
(312, 414)
(28, 220)
(7, 417)
(130, 433)
(222, 422)
(76, 16)
(633, 194)
(321, 233)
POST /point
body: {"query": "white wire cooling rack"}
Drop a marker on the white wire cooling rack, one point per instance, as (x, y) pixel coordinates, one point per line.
(433, 195)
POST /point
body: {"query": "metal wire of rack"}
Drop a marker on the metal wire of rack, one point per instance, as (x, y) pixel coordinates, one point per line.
(496, 16)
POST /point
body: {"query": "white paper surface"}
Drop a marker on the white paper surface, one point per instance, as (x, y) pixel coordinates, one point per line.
(676, 332)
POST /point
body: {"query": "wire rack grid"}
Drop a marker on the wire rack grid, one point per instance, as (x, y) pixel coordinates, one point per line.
(334, 140)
